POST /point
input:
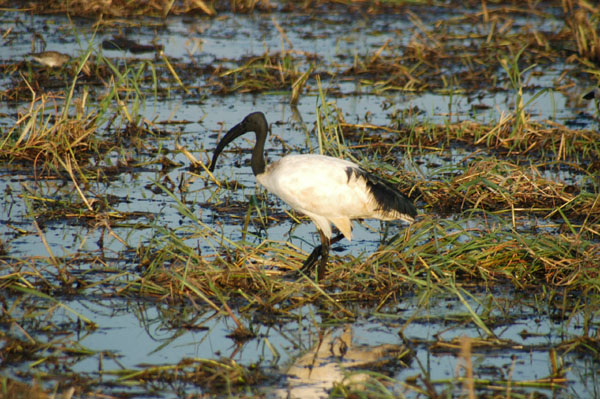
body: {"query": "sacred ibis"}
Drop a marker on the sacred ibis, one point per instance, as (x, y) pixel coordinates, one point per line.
(328, 190)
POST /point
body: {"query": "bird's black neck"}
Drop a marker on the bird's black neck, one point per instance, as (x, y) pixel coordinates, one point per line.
(258, 162)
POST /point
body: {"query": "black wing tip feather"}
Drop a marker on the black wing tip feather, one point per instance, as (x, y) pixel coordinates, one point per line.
(388, 197)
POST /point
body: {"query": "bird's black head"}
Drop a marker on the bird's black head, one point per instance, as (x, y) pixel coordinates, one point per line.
(254, 122)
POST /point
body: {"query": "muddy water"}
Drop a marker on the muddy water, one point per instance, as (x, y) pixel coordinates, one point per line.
(133, 333)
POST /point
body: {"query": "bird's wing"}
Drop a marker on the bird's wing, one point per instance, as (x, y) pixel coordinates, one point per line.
(316, 184)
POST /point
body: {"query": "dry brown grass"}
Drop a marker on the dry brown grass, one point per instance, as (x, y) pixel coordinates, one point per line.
(162, 8)
(491, 184)
(48, 138)
(583, 20)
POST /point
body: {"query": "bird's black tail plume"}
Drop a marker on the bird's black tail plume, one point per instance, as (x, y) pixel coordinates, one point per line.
(388, 198)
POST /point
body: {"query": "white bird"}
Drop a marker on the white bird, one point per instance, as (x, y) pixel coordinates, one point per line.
(328, 190)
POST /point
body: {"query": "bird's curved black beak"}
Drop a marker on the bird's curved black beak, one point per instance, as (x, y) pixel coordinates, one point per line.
(231, 135)
(254, 122)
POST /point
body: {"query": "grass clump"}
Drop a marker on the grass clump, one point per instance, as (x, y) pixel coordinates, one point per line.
(499, 253)
(494, 185)
(269, 72)
(213, 375)
(48, 139)
(154, 8)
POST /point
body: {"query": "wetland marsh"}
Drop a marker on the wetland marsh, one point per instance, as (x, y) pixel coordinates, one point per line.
(127, 270)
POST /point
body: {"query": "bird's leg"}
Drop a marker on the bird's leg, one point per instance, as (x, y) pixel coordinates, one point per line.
(325, 244)
(336, 238)
(317, 252)
(311, 260)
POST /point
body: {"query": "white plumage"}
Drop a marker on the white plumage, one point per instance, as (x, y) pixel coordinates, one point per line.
(326, 189)
(321, 188)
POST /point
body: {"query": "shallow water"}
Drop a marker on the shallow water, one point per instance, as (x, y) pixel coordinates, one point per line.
(133, 332)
